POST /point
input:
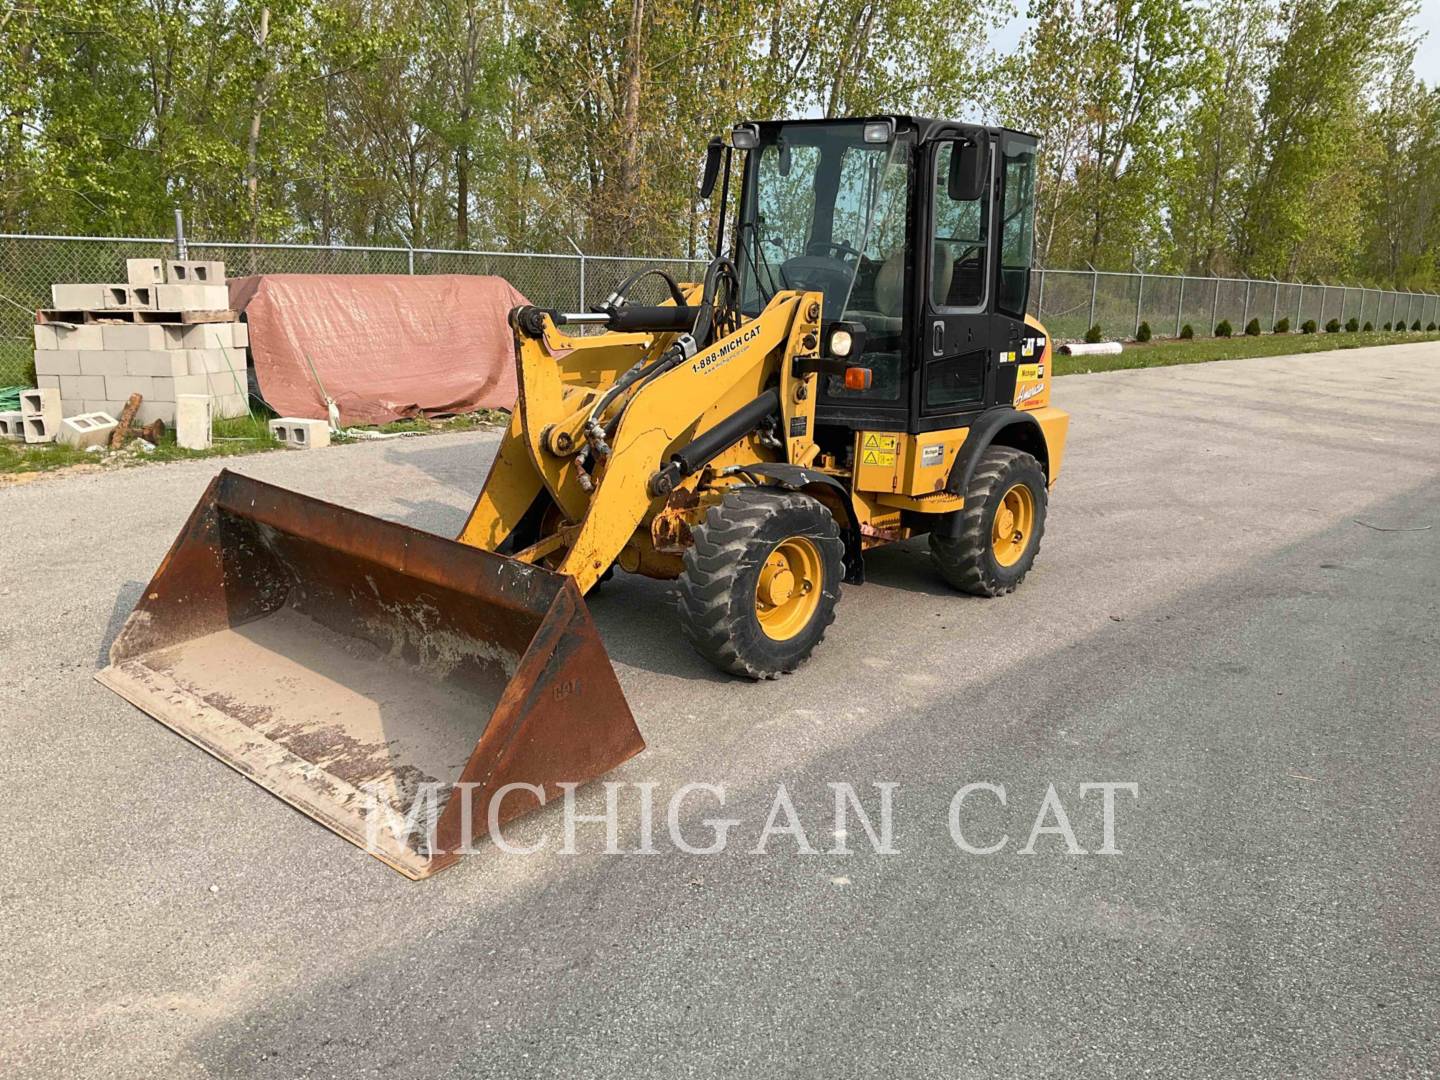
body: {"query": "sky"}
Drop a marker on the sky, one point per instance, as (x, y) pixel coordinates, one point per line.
(1427, 57)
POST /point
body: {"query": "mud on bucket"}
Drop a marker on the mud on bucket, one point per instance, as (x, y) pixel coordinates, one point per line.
(386, 681)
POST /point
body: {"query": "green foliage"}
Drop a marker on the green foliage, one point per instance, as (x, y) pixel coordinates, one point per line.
(1224, 329)
(1430, 328)
(1252, 328)
(1187, 332)
(1387, 326)
(1283, 326)
(1415, 325)
(1352, 325)
(1094, 335)
(1333, 326)
(1143, 332)
(1369, 327)
(1308, 326)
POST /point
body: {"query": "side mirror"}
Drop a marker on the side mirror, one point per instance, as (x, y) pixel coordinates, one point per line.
(713, 154)
(969, 166)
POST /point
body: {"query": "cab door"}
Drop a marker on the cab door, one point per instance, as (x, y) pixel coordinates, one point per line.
(957, 353)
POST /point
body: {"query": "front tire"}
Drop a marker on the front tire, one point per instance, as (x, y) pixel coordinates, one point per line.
(1000, 525)
(761, 581)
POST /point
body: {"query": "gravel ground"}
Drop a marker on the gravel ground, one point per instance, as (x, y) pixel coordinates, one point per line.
(1207, 621)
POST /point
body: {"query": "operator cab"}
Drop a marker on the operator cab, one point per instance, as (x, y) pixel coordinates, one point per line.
(918, 233)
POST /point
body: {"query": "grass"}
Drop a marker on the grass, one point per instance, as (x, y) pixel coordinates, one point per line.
(240, 435)
(1203, 350)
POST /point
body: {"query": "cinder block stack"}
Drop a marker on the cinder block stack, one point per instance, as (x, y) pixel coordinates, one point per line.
(165, 333)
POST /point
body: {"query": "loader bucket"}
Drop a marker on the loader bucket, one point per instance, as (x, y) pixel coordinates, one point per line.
(386, 681)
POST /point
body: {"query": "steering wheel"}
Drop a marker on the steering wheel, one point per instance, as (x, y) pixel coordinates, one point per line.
(824, 247)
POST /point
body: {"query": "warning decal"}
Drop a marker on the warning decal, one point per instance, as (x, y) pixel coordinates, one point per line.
(876, 449)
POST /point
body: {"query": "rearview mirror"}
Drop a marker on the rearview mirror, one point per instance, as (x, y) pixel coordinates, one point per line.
(969, 164)
(713, 154)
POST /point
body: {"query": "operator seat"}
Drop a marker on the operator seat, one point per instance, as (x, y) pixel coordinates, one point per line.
(888, 315)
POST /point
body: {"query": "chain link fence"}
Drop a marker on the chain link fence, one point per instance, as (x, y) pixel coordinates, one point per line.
(1068, 302)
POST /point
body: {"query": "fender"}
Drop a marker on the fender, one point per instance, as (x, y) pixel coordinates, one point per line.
(828, 491)
(1019, 429)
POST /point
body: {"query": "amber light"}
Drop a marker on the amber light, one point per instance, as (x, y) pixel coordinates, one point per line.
(857, 378)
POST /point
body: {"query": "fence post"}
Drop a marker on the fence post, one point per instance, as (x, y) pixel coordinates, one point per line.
(1180, 306)
(1094, 288)
(1275, 305)
(1245, 315)
(1214, 307)
(1040, 300)
(1139, 299)
(410, 258)
(182, 249)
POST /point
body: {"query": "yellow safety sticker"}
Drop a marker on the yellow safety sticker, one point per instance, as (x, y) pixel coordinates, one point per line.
(879, 442)
(1027, 372)
(878, 457)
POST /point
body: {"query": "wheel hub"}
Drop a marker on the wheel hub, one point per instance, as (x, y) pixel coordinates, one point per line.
(788, 590)
(1014, 522)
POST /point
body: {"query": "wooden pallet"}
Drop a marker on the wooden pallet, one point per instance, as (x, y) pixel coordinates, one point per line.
(132, 315)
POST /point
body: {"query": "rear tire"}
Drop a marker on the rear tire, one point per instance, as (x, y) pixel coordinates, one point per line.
(761, 581)
(1000, 525)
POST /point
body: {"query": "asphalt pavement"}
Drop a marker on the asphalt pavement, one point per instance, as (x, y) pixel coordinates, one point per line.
(1236, 610)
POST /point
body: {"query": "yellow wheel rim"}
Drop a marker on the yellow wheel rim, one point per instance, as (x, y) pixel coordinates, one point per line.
(788, 591)
(1014, 522)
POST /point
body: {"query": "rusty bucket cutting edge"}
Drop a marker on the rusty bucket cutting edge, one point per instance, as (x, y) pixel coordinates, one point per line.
(386, 681)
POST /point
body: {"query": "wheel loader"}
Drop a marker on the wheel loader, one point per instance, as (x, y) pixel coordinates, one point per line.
(858, 370)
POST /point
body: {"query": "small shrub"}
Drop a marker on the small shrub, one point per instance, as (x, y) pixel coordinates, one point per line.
(1333, 326)
(1283, 326)
(1430, 329)
(1187, 332)
(1093, 335)
(1387, 326)
(1308, 326)
(1252, 328)
(1369, 326)
(1143, 332)
(1415, 325)
(1224, 329)
(1353, 326)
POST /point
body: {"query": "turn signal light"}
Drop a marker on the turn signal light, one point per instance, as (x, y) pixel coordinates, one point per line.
(857, 378)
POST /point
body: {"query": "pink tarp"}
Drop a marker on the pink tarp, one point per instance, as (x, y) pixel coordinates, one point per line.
(383, 346)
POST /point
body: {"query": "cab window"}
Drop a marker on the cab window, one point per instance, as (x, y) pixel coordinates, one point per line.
(958, 272)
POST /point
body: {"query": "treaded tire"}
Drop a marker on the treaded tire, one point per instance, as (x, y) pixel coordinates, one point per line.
(722, 570)
(968, 560)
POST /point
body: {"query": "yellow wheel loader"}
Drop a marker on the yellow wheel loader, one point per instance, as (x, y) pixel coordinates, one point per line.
(859, 370)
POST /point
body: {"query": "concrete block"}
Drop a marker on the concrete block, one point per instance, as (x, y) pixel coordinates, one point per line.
(83, 388)
(120, 387)
(41, 409)
(241, 334)
(185, 337)
(145, 271)
(104, 362)
(80, 297)
(194, 272)
(87, 429)
(237, 357)
(105, 405)
(57, 361)
(166, 363)
(119, 296)
(183, 384)
(193, 419)
(192, 297)
(220, 383)
(134, 336)
(45, 337)
(12, 426)
(204, 361)
(84, 338)
(301, 434)
(228, 405)
(150, 411)
(51, 382)
(39, 430)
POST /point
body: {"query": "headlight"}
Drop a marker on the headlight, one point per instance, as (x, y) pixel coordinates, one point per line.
(745, 136)
(842, 342)
(879, 131)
